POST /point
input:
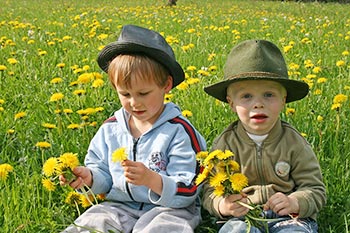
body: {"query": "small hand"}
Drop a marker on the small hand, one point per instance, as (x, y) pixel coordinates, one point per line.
(136, 172)
(282, 204)
(83, 177)
(229, 206)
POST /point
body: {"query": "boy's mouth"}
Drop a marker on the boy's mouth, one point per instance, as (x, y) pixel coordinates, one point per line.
(259, 116)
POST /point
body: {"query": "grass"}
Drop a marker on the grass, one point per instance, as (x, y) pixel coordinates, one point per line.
(61, 39)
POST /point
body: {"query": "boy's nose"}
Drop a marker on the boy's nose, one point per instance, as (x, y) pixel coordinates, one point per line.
(134, 102)
(258, 104)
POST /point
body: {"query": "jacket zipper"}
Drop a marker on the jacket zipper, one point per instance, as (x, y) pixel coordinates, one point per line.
(259, 168)
(134, 151)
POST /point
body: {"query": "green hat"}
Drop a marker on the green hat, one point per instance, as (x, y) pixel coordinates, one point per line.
(138, 40)
(257, 60)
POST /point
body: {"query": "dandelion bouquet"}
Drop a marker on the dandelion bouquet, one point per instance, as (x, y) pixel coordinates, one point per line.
(63, 165)
(223, 175)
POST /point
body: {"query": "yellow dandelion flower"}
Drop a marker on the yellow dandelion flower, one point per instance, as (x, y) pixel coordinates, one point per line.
(73, 126)
(340, 63)
(50, 166)
(202, 155)
(318, 92)
(10, 131)
(191, 68)
(316, 70)
(56, 97)
(49, 126)
(340, 98)
(86, 201)
(321, 80)
(86, 67)
(336, 106)
(217, 179)
(233, 165)
(67, 110)
(97, 75)
(2, 101)
(119, 155)
(69, 160)
(99, 109)
(60, 65)
(74, 83)
(48, 184)
(2, 68)
(211, 56)
(224, 155)
(200, 178)
(168, 97)
(212, 68)
(12, 61)
(319, 118)
(219, 190)
(5, 169)
(345, 53)
(97, 83)
(192, 81)
(79, 92)
(20, 115)
(238, 181)
(56, 80)
(85, 78)
(203, 72)
(209, 159)
(290, 111)
(43, 145)
(73, 198)
(182, 86)
(187, 113)
(220, 166)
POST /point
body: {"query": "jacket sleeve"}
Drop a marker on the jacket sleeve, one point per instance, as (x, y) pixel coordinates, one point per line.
(310, 189)
(97, 161)
(179, 189)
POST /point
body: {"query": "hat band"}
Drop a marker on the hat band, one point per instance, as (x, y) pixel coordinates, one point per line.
(254, 74)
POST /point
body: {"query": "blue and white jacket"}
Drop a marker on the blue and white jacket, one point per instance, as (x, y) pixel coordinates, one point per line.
(168, 148)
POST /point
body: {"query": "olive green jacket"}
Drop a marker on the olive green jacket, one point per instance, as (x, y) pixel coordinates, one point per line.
(285, 162)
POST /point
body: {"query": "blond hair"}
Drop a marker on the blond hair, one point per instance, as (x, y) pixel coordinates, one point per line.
(126, 67)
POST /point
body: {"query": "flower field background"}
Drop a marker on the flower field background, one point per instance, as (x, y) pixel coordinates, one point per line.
(53, 96)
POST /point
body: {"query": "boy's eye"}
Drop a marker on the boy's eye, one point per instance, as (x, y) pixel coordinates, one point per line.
(144, 93)
(124, 94)
(268, 94)
(246, 96)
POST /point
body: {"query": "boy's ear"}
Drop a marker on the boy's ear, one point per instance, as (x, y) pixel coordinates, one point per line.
(169, 84)
(230, 102)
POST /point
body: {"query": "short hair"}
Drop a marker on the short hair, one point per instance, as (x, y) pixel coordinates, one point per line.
(126, 67)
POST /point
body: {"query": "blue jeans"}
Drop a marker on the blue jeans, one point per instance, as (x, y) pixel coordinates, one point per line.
(285, 224)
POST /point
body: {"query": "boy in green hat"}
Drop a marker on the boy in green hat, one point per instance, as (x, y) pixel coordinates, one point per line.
(283, 172)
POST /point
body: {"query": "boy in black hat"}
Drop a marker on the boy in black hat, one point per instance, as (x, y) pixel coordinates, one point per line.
(283, 172)
(153, 189)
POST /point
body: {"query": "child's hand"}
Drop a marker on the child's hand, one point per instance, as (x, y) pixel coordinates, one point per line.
(282, 204)
(138, 174)
(229, 206)
(83, 177)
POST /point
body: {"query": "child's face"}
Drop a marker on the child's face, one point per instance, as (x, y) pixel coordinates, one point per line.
(144, 100)
(257, 103)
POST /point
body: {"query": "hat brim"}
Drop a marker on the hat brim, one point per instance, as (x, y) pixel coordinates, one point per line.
(110, 51)
(296, 90)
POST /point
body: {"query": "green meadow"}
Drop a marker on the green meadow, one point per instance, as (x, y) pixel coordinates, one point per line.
(53, 96)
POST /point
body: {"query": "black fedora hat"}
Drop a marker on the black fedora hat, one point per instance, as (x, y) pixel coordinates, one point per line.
(138, 40)
(257, 60)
